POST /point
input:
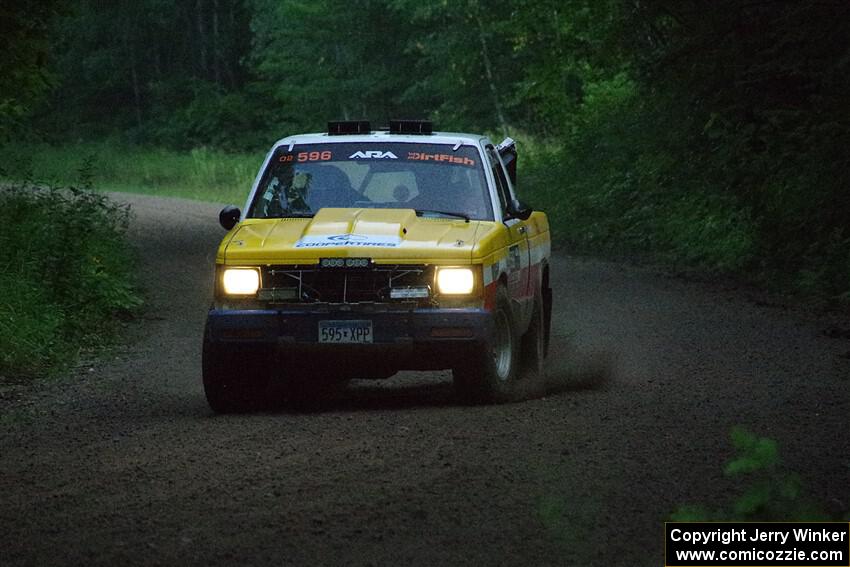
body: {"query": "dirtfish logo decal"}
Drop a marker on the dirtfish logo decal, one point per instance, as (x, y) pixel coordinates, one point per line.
(349, 240)
(372, 154)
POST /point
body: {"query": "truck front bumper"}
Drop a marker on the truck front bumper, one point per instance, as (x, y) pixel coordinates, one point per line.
(417, 339)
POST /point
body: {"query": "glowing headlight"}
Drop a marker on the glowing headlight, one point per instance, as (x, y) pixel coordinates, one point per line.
(455, 281)
(241, 281)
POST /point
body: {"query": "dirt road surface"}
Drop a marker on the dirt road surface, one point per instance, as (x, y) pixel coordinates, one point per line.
(123, 463)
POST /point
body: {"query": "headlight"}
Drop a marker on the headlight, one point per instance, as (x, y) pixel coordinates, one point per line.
(455, 281)
(241, 281)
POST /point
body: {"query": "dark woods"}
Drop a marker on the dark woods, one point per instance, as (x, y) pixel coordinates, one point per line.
(712, 133)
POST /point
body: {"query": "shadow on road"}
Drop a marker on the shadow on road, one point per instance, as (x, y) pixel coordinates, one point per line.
(580, 370)
(362, 395)
(568, 370)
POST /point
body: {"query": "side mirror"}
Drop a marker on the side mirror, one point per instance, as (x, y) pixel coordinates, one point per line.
(519, 210)
(229, 216)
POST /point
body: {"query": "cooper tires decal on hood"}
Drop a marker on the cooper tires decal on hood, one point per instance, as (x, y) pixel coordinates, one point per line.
(351, 240)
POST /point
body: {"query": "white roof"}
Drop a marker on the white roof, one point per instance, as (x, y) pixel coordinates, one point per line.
(383, 136)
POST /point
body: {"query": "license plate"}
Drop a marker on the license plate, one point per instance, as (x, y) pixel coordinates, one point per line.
(356, 332)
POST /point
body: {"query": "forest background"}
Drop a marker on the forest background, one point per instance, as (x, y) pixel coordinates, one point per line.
(707, 134)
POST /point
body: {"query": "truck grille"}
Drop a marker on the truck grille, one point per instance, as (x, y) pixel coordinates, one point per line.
(312, 284)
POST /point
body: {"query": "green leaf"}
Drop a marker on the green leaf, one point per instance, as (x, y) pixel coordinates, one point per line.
(754, 453)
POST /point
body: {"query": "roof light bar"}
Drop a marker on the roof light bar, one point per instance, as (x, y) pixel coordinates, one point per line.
(424, 127)
(343, 127)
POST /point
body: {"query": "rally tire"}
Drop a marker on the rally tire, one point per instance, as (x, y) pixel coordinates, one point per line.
(547, 318)
(490, 372)
(236, 377)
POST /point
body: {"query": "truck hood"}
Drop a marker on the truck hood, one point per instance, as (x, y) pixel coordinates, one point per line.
(390, 235)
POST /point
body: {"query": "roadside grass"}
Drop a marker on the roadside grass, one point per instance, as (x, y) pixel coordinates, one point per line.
(67, 276)
(201, 174)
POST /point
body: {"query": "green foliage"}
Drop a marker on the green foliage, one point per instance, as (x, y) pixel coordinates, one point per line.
(768, 491)
(153, 71)
(201, 173)
(755, 92)
(712, 142)
(30, 327)
(327, 59)
(67, 273)
(626, 191)
(754, 453)
(209, 117)
(23, 64)
(703, 133)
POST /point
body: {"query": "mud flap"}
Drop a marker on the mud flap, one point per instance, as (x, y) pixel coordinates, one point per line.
(547, 319)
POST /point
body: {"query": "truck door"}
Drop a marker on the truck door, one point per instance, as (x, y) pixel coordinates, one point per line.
(518, 258)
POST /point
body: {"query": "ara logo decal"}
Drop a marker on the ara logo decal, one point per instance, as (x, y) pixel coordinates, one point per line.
(372, 154)
(350, 240)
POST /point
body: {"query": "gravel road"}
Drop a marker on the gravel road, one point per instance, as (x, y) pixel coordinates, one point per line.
(122, 462)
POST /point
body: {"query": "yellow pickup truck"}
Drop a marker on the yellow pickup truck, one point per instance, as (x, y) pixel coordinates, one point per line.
(360, 253)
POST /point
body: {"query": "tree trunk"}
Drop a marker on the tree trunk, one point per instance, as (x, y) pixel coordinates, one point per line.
(134, 79)
(202, 36)
(488, 70)
(342, 96)
(216, 48)
(231, 60)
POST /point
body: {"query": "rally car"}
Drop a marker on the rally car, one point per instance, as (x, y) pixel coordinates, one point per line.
(360, 253)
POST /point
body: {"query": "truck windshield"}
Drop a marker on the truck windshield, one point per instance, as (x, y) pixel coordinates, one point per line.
(432, 179)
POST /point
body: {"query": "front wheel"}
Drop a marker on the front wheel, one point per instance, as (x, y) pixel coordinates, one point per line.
(489, 373)
(236, 377)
